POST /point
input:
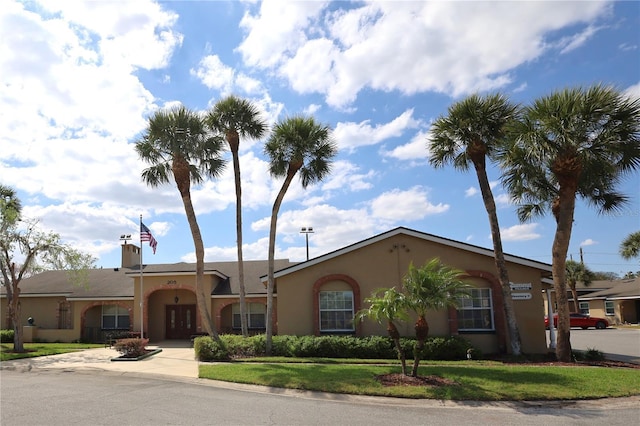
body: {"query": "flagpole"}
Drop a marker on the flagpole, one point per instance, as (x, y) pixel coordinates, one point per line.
(141, 286)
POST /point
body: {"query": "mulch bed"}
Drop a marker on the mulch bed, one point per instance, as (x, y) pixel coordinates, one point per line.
(399, 379)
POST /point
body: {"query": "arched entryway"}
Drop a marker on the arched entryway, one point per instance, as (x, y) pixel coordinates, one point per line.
(171, 313)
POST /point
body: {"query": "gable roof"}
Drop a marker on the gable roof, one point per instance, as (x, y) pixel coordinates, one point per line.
(620, 290)
(417, 234)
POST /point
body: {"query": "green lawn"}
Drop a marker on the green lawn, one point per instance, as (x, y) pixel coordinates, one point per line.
(474, 380)
(42, 349)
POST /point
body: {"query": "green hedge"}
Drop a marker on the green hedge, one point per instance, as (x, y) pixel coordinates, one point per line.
(6, 336)
(372, 347)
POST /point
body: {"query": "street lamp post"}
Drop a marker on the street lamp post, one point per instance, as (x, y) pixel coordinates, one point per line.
(306, 232)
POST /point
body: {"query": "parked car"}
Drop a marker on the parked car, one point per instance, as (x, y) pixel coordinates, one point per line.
(580, 320)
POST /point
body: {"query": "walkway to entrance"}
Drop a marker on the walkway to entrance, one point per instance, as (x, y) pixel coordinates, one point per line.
(176, 359)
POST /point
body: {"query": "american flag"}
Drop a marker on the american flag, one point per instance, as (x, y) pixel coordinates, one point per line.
(145, 235)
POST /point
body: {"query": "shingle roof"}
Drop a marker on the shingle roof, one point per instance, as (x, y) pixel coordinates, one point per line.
(621, 289)
(103, 283)
(118, 282)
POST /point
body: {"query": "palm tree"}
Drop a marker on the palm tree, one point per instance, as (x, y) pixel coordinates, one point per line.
(388, 305)
(577, 272)
(630, 246)
(469, 134)
(177, 143)
(234, 118)
(296, 144)
(573, 143)
(434, 286)
(10, 207)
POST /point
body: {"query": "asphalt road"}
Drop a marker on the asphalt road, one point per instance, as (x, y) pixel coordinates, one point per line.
(620, 344)
(105, 398)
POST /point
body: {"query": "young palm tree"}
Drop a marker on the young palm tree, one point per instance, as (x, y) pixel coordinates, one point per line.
(572, 143)
(234, 118)
(296, 144)
(630, 247)
(177, 143)
(577, 272)
(434, 286)
(468, 135)
(387, 305)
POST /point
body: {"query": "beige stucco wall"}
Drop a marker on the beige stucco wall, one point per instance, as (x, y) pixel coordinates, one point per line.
(384, 264)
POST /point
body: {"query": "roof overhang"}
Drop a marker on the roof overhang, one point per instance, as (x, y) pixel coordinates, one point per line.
(543, 267)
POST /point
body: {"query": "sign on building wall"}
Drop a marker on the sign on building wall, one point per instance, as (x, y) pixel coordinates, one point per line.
(520, 286)
(520, 296)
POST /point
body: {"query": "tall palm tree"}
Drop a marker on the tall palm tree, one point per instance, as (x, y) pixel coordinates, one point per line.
(176, 142)
(234, 118)
(630, 246)
(296, 144)
(388, 305)
(572, 143)
(468, 135)
(434, 286)
(577, 272)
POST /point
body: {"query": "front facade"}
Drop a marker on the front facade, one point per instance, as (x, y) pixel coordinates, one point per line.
(616, 300)
(316, 297)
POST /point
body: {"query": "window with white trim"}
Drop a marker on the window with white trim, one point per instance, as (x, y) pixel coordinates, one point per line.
(256, 314)
(609, 308)
(475, 313)
(583, 307)
(115, 317)
(336, 311)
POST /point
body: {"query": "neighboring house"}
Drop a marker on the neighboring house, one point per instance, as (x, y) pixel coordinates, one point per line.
(316, 297)
(619, 303)
(616, 300)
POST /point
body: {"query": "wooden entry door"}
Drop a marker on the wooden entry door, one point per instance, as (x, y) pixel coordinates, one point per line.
(180, 321)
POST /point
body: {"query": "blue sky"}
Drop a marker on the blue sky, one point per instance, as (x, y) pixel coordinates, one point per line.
(80, 79)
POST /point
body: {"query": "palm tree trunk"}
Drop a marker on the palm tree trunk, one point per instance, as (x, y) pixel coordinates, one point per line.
(201, 299)
(501, 266)
(395, 336)
(422, 331)
(271, 261)
(563, 211)
(574, 294)
(243, 304)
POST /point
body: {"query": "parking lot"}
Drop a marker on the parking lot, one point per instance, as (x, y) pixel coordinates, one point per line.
(620, 344)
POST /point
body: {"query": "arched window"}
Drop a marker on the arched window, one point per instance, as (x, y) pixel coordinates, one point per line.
(336, 311)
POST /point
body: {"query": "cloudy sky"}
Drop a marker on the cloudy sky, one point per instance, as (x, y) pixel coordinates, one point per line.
(78, 81)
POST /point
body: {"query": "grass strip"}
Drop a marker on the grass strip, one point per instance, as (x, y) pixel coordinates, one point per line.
(494, 382)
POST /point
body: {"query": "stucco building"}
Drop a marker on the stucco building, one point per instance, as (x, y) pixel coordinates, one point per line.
(319, 296)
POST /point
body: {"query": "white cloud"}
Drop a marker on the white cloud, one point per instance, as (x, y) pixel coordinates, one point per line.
(353, 135)
(576, 40)
(633, 92)
(437, 54)
(214, 74)
(345, 177)
(524, 232)
(471, 191)
(415, 151)
(399, 205)
(588, 242)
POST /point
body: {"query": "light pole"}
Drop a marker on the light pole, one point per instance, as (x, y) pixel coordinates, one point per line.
(306, 232)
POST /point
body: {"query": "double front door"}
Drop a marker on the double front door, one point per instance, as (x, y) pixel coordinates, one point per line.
(180, 321)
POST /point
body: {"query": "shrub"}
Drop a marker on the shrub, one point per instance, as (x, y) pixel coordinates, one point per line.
(207, 349)
(6, 336)
(371, 347)
(590, 354)
(131, 348)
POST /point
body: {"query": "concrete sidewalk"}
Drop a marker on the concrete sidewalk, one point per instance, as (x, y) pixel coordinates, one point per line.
(176, 359)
